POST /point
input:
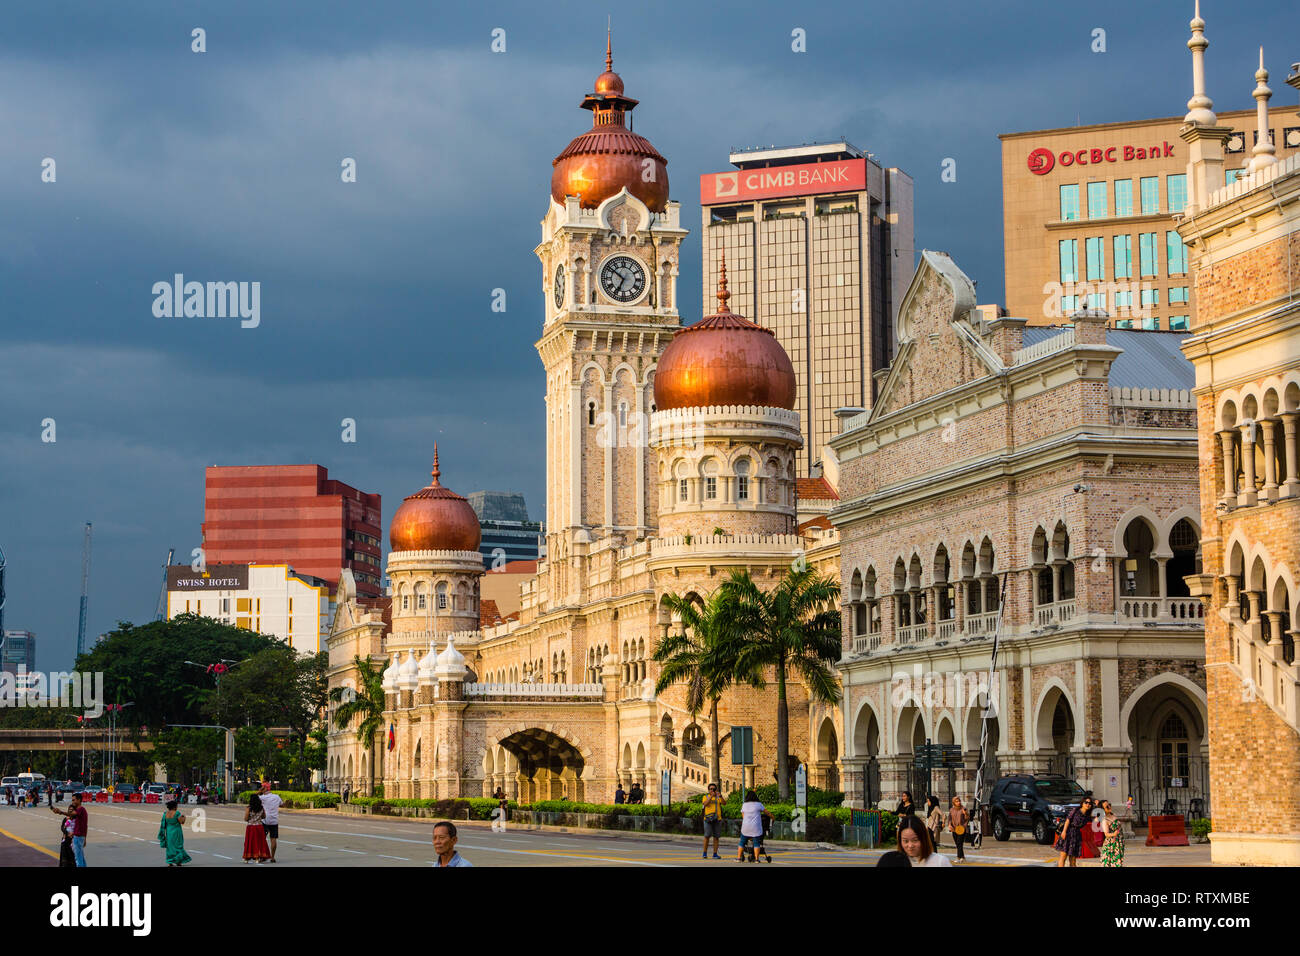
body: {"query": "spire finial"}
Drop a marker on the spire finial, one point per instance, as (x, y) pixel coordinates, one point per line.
(1200, 108)
(723, 294)
(609, 44)
(436, 470)
(1262, 155)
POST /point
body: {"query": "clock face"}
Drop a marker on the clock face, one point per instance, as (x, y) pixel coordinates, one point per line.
(622, 278)
(558, 286)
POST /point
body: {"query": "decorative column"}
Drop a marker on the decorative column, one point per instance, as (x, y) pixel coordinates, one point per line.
(1290, 487)
(1248, 496)
(959, 612)
(1162, 611)
(1229, 496)
(1254, 598)
(1270, 461)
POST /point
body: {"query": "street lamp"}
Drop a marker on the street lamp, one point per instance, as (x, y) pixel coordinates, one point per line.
(113, 711)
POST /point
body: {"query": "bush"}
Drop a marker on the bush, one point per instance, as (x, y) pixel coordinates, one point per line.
(297, 800)
(1201, 827)
(770, 793)
(479, 808)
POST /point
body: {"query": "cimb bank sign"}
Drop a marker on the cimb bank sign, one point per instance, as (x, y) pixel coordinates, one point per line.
(839, 176)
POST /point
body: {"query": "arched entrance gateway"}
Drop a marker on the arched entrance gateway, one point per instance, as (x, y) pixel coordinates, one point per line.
(548, 767)
(1164, 722)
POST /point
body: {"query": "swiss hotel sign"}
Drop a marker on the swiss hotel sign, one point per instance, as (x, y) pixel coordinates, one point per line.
(845, 175)
(1042, 161)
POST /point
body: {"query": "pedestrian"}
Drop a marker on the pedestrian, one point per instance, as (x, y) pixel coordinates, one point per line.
(347, 793)
(933, 819)
(80, 826)
(503, 807)
(271, 805)
(752, 814)
(905, 806)
(914, 840)
(1112, 851)
(22, 797)
(958, 819)
(444, 845)
(255, 847)
(66, 857)
(1070, 833)
(712, 805)
(171, 835)
(619, 795)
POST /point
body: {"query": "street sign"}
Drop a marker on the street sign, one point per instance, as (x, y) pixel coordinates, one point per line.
(938, 757)
(742, 745)
(801, 787)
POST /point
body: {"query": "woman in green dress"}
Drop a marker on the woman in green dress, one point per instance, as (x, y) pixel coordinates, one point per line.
(171, 835)
(1112, 850)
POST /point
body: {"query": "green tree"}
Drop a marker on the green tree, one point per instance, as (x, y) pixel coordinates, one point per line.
(702, 659)
(146, 664)
(793, 627)
(366, 705)
(276, 687)
(184, 749)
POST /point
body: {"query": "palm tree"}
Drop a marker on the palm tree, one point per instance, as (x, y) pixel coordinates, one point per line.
(699, 658)
(366, 703)
(794, 627)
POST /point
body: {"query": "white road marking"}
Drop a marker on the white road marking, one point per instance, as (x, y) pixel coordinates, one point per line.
(218, 855)
(385, 856)
(316, 846)
(357, 852)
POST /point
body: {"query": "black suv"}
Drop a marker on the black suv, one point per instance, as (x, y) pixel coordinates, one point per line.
(1034, 802)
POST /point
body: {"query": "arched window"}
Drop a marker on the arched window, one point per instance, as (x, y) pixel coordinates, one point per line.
(442, 596)
(1174, 752)
(742, 479)
(591, 413)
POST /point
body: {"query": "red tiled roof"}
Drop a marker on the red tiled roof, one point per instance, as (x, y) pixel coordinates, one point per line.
(515, 567)
(488, 613)
(814, 488)
(821, 521)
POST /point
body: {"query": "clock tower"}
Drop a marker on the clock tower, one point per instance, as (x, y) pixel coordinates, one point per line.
(611, 242)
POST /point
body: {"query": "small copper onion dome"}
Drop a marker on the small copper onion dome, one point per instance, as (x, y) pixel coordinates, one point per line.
(724, 359)
(609, 156)
(435, 519)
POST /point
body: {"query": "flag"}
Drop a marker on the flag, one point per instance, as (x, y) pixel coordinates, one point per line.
(392, 736)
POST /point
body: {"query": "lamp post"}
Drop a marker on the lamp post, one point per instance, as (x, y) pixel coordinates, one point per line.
(230, 750)
(113, 711)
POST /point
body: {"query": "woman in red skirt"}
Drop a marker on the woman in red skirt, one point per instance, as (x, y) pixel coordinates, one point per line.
(255, 845)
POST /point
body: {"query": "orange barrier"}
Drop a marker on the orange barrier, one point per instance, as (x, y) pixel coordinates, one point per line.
(1166, 831)
(101, 797)
(119, 798)
(151, 798)
(135, 798)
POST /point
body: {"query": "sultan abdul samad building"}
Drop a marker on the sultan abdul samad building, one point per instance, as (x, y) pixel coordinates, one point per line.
(1042, 482)
(670, 462)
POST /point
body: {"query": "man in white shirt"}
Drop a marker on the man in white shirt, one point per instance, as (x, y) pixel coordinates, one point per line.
(271, 805)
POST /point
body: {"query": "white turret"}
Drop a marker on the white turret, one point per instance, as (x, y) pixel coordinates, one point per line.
(451, 663)
(1262, 156)
(1200, 108)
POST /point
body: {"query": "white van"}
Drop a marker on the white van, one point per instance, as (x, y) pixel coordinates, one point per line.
(30, 780)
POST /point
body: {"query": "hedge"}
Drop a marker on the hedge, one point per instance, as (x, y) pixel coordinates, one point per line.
(297, 800)
(479, 808)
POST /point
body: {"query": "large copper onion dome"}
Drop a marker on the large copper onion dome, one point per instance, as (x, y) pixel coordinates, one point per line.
(435, 519)
(724, 359)
(609, 156)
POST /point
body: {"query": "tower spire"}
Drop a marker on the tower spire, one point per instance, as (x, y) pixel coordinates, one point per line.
(1262, 155)
(436, 470)
(723, 294)
(1200, 108)
(609, 45)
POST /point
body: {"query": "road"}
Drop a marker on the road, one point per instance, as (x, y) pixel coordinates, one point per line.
(126, 835)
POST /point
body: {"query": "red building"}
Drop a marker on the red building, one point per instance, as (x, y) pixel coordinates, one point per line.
(294, 514)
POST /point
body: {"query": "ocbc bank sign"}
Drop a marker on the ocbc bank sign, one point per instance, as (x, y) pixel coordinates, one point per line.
(1042, 161)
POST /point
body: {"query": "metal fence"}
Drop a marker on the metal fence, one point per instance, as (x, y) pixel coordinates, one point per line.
(1169, 787)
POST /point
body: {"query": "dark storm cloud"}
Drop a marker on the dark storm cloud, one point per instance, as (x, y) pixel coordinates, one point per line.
(375, 296)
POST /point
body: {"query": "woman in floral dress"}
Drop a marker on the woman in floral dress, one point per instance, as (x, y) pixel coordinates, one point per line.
(1112, 851)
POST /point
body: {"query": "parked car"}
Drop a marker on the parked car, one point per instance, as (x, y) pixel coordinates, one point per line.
(1034, 802)
(71, 786)
(91, 790)
(158, 788)
(124, 788)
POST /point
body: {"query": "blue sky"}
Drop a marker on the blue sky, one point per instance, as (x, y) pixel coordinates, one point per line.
(376, 295)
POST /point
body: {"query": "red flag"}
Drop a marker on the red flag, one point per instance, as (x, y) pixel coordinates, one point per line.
(392, 736)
